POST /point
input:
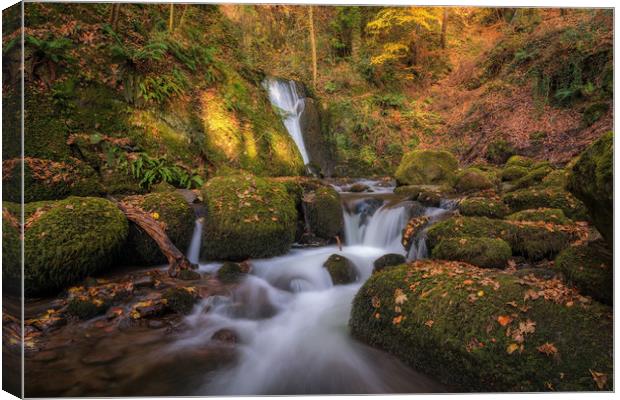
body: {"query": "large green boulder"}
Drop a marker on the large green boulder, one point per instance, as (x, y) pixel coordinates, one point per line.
(68, 240)
(247, 216)
(426, 167)
(532, 178)
(592, 181)
(473, 179)
(483, 207)
(483, 330)
(589, 267)
(323, 212)
(534, 241)
(174, 214)
(546, 197)
(49, 180)
(480, 251)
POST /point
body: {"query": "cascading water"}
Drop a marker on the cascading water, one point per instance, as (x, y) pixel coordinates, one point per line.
(283, 94)
(193, 253)
(290, 321)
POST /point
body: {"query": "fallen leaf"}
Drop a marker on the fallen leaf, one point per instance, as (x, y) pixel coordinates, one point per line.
(504, 320)
(468, 282)
(548, 349)
(600, 379)
(512, 347)
(429, 323)
(399, 296)
(397, 320)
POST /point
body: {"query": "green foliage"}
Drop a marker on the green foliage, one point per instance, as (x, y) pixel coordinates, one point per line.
(161, 88)
(53, 49)
(149, 171)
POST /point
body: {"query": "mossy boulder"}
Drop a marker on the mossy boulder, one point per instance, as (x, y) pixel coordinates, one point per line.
(473, 179)
(341, 269)
(589, 268)
(552, 215)
(86, 308)
(426, 167)
(591, 181)
(247, 216)
(532, 178)
(175, 214)
(231, 272)
(323, 212)
(556, 178)
(499, 151)
(480, 251)
(482, 330)
(534, 241)
(429, 195)
(49, 180)
(180, 300)
(546, 197)
(491, 207)
(520, 161)
(11, 247)
(70, 239)
(513, 172)
(388, 260)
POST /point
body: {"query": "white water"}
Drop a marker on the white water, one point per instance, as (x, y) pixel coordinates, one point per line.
(291, 321)
(283, 94)
(193, 253)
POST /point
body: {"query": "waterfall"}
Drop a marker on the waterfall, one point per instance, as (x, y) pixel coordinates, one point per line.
(193, 253)
(283, 94)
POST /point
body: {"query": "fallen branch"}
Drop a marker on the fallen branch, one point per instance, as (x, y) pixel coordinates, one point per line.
(176, 260)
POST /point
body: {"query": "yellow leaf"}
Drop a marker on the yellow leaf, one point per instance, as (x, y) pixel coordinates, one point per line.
(480, 293)
(512, 347)
(155, 215)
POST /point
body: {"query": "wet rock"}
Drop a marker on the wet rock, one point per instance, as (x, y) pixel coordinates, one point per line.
(358, 188)
(102, 358)
(226, 336)
(413, 228)
(149, 308)
(155, 324)
(341, 269)
(388, 260)
(323, 212)
(308, 239)
(47, 355)
(189, 275)
(145, 281)
(86, 308)
(180, 300)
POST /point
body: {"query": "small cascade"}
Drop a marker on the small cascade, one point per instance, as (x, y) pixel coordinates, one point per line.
(419, 249)
(193, 253)
(284, 95)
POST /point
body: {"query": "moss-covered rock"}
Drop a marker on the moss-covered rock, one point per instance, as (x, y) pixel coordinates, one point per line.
(231, 272)
(532, 240)
(480, 251)
(556, 178)
(323, 212)
(589, 268)
(70, 239)
(552, 215)
(85, 308)
(486, 330)
(591, 181)
(546, 197)
(430, 195)
(11, 247)
(388, 260)
(341, 269)
(513, 172)
(499, 151)
(532, 178)
(519, 161)
(49, 180)
(426, 167)
(472, 179)
(171, 209)
(247, 216)
(180, 300)
(491, 207)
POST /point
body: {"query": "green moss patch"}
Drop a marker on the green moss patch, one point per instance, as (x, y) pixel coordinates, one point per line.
(513, 172)
(70, 239)
(11, 247)
(472, 179)
(480, 251)
(552, 215)
(430, 195)
(485, 330)
(323, 212)
(520, 161)
(388, 260)
(173, 212)
(231, 272)
(341, 269)
(426, 167)
(591, 181)
(532, 178)
(247, 217)
(541, 197)
(589, 268)
(483, 207)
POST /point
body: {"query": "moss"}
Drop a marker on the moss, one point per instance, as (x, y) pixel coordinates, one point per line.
(552, 215)
(531, 240)
(483, 207)
(594, 112)
(246, 217)
(556, 178)
(513, 172)
(230, 272)
(189, 275)
(542, 197)
(45, 133)
(70, 239)
(499, 151)
(589, 268)
(180, 300)
(340, 269)
(171, 209)
(532, 178)
(388, 260)
(519, 161)
(430, 195)
(443, 319)
(591, 181)
(85, 308)
(118, 182)
(323, 212)
(426, 167)
(480, 251)
(49, 180)
(11, 247)
(472, 179)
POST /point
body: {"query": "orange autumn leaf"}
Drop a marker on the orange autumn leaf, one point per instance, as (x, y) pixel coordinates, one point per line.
(397, 320)
(504, 320)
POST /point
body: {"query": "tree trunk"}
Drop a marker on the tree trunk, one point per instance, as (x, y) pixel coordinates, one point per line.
(114, 16)
(444, 27)
(144, 220)
(313, 46)
(171, 20)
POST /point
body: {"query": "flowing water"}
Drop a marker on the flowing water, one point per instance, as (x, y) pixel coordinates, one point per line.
(290, 321)
(284, 95)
